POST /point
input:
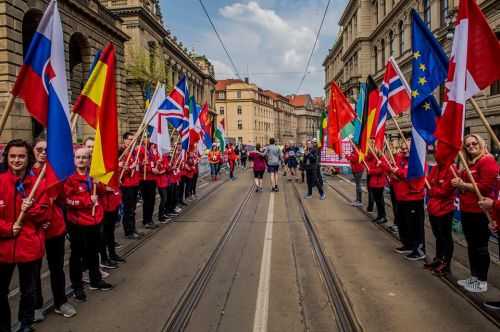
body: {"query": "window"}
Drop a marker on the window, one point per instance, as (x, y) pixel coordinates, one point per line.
(240, 139)
(382, 4)
(495, 88)
(375, 4)
(238, 94)
(391, 43)
(401, 33)
(239, 110)
(375, 57)
(220, 95)
(427, 12)
(240, 124)
(221, 110)
(444, 11)
(382, 49)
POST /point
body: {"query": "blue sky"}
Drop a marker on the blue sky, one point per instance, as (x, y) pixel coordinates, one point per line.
(268, 39)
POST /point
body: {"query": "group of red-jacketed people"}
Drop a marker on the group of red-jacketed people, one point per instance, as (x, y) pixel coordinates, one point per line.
(82, 211)
(438, 190)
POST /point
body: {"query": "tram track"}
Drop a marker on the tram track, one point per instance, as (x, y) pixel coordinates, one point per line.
(346, 319)
(183, 310)
(447, 280)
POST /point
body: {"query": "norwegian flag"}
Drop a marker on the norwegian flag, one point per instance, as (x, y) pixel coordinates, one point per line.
(394, 99)
(176, 109)
(473, 67)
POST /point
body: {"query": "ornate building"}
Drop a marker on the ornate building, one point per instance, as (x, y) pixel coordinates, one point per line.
(308, 117)
(132, 26)
(373, 30)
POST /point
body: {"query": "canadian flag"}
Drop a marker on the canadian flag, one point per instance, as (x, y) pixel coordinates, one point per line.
(472, 68)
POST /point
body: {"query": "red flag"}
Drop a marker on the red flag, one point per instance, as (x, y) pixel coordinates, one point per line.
(340, 113)
(472, 68)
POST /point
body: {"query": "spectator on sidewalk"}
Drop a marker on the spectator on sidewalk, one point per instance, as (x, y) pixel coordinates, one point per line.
(55, 236)
(244, 156)
(475, 222)
(259, 166)
(22, 245)
(311, 160)
(273, 157)
(357, 169)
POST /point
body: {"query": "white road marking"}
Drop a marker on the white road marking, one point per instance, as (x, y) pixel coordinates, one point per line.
(262, 306)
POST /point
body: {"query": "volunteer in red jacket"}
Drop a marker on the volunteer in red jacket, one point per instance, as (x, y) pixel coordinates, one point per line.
(474, 220)
(410, 198)
(377, 171)
(21, 245)
(196, 171)
(231, 159)
(55, 236)
(357, 169)
(160, 170)
(129, 187)
(83, 226)
(111, 201)
(440, 207)
(214, 159)
(147, 184)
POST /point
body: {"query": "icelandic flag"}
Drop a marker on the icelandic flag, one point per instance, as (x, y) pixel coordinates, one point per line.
(394, 99)
(42, 85)
(206, 126)
(175, 109)
(429, 70)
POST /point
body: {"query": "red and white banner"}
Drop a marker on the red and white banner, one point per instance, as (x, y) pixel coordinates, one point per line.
(330, 158)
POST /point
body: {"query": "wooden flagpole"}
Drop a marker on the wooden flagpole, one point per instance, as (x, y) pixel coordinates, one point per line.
(94, 192)
(485, 121)
(391, 155)
(357, 151)
(6, 112)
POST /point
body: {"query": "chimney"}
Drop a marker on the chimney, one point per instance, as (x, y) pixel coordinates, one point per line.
(246, 80)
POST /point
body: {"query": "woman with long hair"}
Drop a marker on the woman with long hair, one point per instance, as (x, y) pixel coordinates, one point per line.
(258, 160)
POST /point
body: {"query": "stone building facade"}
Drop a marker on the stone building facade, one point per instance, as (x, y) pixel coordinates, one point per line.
(88, 25)
(308, 117)
(284, 118)
(373, 30)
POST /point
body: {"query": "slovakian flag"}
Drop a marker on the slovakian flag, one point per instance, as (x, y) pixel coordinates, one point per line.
(473, 67)
(206, 126)
(340, 113)
(42, 85)
(394, 99)
(369, 116)
(175, 109)
(97, 106)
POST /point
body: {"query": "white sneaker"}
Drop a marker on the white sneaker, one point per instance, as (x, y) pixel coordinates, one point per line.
(104, 274)
(66, 310)
(39, 316)
(465, 282)
(178, 210)
(85, 277)
(477, 287)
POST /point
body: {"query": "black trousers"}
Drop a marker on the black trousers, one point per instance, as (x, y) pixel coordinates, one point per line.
(179, 192)
(313, 181)
(129, 198)
(107, 248)
(411, 224)
(477, 234)
(370, 195)
(394, 203)
(171, 197)
(162, 207)
(194, 183)
(27, 285)
(244, 162)
(54, 249)
(148, 192)
(85, 242)
(187, 186)
(378, 197)
(441, 228)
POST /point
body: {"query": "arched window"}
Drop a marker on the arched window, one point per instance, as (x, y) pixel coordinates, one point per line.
(30, 23)
(79, 54)
(401, 33)
(444, 4)
(382, 49)
(391, 43)
(427, 11)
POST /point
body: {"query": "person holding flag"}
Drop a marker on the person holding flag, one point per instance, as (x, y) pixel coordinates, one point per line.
(214, 159)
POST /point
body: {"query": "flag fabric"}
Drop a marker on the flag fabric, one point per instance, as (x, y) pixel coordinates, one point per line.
(194, 123)
(42, 85)
(323, 125)
(206, 126)
(159, 134)
(360, 102)
(97, 105)
(370, 106)
(220, 135)
(394, 99)
(429, 68)
(340, 113)
(175, 109)
(473, 67)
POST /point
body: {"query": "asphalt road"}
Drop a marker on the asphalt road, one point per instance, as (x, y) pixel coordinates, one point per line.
(266, 277)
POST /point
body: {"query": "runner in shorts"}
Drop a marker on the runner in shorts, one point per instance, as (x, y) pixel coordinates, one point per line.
(273, 156)
(259, 166)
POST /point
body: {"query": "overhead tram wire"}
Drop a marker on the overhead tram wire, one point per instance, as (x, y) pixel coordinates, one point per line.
(313, 48)
(220, 39)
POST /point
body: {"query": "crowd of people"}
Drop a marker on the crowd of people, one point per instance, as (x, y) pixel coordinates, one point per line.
(438, 191)
(85, 213)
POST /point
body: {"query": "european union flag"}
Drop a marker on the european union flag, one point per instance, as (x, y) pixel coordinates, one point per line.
(430, 63)
(430, 69)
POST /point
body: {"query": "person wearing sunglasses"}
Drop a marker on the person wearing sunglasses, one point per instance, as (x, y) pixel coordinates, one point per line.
(475, 222)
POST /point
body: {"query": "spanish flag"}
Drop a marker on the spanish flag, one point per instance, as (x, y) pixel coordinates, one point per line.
(97, 105)
(370, 113)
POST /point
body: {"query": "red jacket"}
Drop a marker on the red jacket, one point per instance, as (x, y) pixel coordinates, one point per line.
(377, 172)
(29, 244)
(214, 157)
(442, 194)
(356, 165)
(131, 175)
(78, 191)
(163, 165)
(231, 155)
(404, 189)
(484, 171)
(150, 157)
(111, 200)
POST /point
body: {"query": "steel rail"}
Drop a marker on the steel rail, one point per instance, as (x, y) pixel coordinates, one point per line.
(180, 316)
(346, 319)
(445, 279)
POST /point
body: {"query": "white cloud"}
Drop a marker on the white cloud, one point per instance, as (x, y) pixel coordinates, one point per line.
(222, 70)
